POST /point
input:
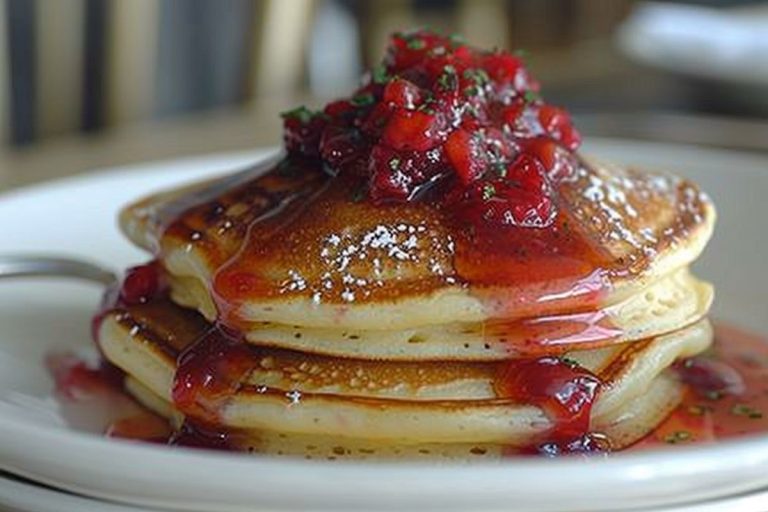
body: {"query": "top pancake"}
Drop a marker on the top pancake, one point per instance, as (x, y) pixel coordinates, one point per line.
(286, 243)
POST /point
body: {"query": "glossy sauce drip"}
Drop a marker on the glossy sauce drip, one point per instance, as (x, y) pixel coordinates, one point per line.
(196, 434)
(727, 395)
(553, 335)
(209, 372)
(139, 285)
(563, 390)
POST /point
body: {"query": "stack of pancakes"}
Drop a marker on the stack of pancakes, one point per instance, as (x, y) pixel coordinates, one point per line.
(358, 334)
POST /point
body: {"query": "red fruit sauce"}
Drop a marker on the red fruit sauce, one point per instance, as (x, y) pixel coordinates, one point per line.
(438, 108)
(727, 388)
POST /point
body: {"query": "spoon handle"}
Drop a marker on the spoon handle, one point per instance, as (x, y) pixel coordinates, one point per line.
(26, 265)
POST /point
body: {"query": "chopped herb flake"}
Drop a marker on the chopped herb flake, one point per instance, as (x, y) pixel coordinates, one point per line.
(379, 74)
(457, 39)
(359, 194)
(478, 75)
(745, 410)
(302, 114)
(471, 91)
(714, 395)
(489, 191)
(531, 96)
(678, 436)
(362, 100)
(699, 410)
(416, 44)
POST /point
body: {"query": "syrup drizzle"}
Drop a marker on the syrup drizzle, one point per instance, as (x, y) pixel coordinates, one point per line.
(563, 390)
(727, 390)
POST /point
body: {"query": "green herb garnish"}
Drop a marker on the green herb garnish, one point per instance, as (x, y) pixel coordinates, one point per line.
(478, 75)
(457, 39)
(302, 114)
(531, 96)
(379, 74)
(678, 436)
(699, 410)
(745, 410)
(449, 78)
(362, 100)
(416, 44)
(489, 191)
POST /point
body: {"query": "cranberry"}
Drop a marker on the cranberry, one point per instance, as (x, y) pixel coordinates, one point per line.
(558, 162)
(302, 130)
(337, 109)
(557, 123)
(437, 107)
(510, 115)
(410, 49)
(502, 67)
(376, 120)
(462, 153)
(339, 144)
(416, 130)
(140, 283)
(403, 94)
(522, 198)
(398, 174)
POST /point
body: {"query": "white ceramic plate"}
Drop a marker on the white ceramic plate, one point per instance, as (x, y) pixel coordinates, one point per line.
(20, 496)
(76, 217)
(24, 496)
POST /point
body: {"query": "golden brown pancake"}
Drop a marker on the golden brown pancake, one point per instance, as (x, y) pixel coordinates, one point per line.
(417, 402)
(289, 246)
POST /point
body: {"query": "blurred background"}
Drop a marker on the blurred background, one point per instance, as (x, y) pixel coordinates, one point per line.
(94, 83)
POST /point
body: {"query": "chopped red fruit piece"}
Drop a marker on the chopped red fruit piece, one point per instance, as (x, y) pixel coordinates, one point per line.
(398, 174)
(558, 162)
(557, 123)
(462, 153)
(502, 67)
(438, 107)
(302, 130)
(403, 94)
(410, 49)
(339, 108)
(339, 144)
(140, 283)
(416, 130)
(522, 198)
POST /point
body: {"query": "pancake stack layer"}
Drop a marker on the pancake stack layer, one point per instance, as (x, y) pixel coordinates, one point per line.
(286, 315)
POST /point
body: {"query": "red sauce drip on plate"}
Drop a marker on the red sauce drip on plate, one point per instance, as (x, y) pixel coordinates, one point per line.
(91, 397)
(727, 394)
(194, 434)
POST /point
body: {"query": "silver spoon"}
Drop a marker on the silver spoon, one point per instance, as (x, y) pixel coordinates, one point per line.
(29, 265)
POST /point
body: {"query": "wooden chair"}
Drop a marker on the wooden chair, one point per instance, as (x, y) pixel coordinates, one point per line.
(74, 65)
